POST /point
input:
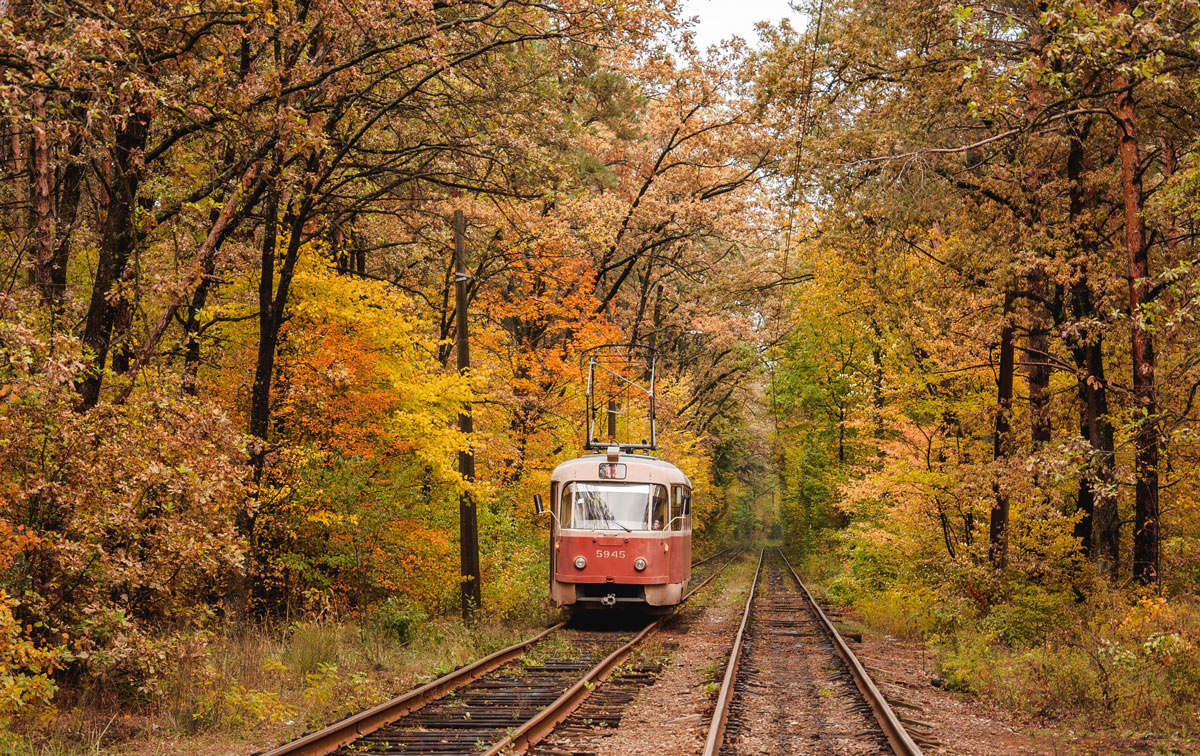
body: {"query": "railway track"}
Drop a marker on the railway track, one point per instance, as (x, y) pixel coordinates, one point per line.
(501, 703)
(792, 685)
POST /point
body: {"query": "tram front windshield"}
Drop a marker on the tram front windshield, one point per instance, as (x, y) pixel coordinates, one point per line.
(614, 506)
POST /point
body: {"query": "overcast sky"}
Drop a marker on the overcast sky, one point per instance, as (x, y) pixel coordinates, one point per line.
(720, 19)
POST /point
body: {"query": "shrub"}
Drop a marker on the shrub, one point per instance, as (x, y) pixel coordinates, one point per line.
(128, 510)
(397, 617)
(25, 666)
(896, 612)
(1030, 615)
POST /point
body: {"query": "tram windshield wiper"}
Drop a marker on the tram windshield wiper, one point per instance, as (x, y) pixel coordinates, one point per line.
(606, 512)
(618, 524)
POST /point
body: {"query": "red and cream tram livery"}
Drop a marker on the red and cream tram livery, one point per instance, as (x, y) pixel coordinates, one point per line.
(620, 533)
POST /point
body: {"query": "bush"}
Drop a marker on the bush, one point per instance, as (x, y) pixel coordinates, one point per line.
(1103, 656)
(128, 514)
(397, 617)
(1030, 615)
(25, 666)
(896, 612)
(1132, 664)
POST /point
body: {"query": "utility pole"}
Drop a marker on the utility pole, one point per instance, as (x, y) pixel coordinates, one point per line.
(468, 526)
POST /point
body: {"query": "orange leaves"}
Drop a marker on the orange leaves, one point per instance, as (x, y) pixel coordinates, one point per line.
(14, 540)
(356, 375)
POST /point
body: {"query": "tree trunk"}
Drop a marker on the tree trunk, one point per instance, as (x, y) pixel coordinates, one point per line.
(1038, 341)
(272, 302)
(468, 522)
(68, 210)
(20, 190)
(191, 333)
(122, 321)
(43, 181)
(1038, 375)
(1001, 443)
(260, 392)
(1145, 528)
(268, 330)
(1098, 528)
(116, 246)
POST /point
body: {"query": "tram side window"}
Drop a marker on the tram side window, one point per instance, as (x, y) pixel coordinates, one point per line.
(682, 497)
(661, 507)
(566, 512)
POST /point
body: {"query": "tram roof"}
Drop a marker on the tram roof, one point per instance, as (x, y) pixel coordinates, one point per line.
(640, 468)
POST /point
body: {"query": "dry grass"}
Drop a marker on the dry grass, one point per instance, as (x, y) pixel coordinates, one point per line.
(255, 687)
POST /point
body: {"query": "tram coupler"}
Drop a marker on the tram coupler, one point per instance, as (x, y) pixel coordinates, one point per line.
(609, 600)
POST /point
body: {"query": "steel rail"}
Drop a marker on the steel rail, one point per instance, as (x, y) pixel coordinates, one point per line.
(898, 738)
(544, 722)
(708, 559)
(339, 733)
(716, 728)
(329, 739)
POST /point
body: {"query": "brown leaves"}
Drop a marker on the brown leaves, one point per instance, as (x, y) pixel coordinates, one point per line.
(122, 516)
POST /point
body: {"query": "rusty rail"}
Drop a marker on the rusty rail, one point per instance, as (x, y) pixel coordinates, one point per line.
(547, 719)
(716, 728)
(710, 558)
(336, 735)
(333, 737)
(898, 738)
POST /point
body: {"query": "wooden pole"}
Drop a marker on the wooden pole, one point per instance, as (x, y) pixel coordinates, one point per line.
(467, 521)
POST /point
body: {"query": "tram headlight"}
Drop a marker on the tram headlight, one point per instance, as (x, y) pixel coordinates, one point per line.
(639, 564)
(580, 563)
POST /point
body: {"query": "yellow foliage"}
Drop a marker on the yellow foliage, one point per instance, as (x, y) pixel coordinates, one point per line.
(25, 665)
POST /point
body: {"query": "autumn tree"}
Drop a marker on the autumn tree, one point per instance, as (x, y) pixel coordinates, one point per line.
(963, 111)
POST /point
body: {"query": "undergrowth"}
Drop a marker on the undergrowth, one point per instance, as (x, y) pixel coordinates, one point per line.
(255, 686)
(1102, 657)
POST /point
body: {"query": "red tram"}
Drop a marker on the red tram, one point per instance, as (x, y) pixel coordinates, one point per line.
(621, 522)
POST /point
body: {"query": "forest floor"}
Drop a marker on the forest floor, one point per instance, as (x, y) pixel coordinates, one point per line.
(261, 687)
(967, 726)
(258, 689)
(670, 717)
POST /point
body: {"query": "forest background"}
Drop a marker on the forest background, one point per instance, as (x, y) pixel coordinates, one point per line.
(926, 272)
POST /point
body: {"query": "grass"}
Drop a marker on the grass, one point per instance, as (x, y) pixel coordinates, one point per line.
(653, 653)
(313, 645)
(554, 646)
(256, 686)
(1113, 661)
(253, 686)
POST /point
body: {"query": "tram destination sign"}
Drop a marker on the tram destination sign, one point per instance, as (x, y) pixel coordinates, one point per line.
(612, 471)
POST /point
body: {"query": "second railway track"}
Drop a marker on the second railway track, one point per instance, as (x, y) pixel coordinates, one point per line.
(503, 702)
(793, 686)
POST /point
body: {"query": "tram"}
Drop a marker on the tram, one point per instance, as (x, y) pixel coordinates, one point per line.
(620, 518)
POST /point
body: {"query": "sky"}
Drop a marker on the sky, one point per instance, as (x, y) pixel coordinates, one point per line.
(720, 19)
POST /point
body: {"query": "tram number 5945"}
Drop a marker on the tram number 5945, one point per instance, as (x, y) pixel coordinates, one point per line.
(610, 554)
